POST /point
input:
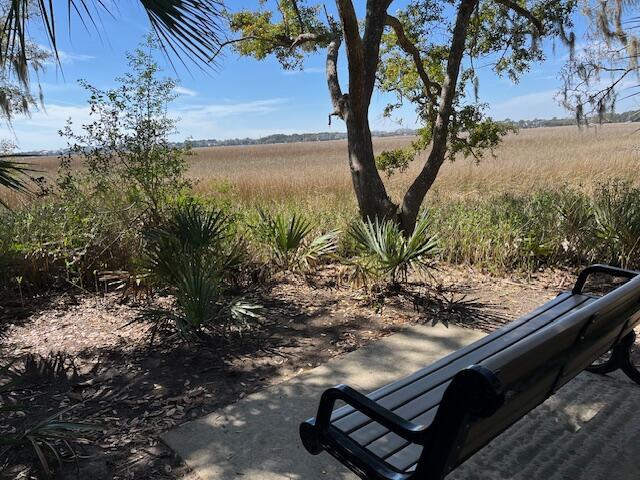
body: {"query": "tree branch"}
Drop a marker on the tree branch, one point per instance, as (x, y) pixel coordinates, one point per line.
(230, 42)
(296, 9)
(338, 100)
(415, 194)
(413, 51)
(373, 28)
(306, 38)
(355, 55)
(520, 10)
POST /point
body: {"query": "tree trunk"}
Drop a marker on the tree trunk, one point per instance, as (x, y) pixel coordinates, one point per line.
(362, 58)
(415, 194)
(373, 201)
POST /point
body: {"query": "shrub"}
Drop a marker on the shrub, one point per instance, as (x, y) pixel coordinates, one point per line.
(616, 223)
(289, 240)
(129, 175)
(65, 241)
(192, 254)
(384, 252)
(125, 146)
(559, 227)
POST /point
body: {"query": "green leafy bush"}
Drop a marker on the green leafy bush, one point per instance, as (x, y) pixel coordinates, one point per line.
(384, 252)
(56, 241)
(125, 145)
(559, 227)
(616, 223)
(120, 175)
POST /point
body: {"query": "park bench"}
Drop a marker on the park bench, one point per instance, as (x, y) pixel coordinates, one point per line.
(425, 425)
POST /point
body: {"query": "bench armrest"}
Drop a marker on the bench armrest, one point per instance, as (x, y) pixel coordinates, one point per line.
(613, 271)
(396, 424)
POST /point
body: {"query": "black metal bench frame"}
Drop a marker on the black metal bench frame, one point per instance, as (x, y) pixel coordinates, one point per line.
(473, 394)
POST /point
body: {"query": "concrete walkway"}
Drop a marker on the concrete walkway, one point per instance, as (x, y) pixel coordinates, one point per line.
(590, 429)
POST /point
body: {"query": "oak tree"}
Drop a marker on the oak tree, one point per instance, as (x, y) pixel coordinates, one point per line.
(425, 53)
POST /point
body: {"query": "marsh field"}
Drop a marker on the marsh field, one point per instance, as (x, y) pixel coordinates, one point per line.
(317, 173)
(541, 157)
(529, 204)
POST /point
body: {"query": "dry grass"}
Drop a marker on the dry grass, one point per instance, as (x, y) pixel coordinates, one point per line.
(536, 157)
(316, 174)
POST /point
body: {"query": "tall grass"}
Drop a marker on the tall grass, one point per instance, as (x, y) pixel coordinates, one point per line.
(547, 227)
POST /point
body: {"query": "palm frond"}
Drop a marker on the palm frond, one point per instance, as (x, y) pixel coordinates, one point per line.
(14, 176)
(188, 28)
(289, 240)
(385, 252)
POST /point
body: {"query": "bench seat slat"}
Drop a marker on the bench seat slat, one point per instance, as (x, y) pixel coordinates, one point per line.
(381, 392)
(414, 398)
(387, 442)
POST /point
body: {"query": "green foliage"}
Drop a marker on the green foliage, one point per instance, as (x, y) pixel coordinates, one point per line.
(130, 174)
(126, 145)
(494, 30)
(616, 223)
(289, 240)
(558, 227)
(193, 253)
(384, 252)
(67, 241)
(265, 32)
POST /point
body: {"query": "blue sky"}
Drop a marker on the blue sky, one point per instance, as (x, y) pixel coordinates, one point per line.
(243, 98)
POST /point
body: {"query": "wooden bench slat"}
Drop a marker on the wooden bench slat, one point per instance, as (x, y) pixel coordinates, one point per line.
(426, 390)
(405, 458)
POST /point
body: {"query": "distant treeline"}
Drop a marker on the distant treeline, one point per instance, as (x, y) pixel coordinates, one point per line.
(293, 138)
(624, 117)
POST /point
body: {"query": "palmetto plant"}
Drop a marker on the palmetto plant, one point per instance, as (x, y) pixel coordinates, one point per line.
(49, 438)
(384, 252)
(616, 213)
(192, 254)
(290, 242)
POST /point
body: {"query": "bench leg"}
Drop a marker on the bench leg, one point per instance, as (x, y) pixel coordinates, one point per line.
(620, 359)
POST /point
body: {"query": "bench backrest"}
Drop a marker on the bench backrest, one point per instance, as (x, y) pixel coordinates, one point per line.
(481, 402)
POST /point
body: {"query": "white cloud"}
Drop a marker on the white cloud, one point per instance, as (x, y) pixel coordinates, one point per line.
(66, 58)
(528, 106)
(217, 110)
(40, 131)
(180, 90)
